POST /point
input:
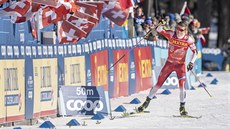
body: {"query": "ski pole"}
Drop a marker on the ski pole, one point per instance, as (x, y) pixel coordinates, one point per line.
(129, 50)
(202, 84)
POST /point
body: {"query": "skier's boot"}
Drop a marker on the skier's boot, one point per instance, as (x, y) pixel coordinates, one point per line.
(144, 105)
(182, 109)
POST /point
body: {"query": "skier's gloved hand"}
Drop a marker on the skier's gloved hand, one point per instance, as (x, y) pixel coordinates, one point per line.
(162, 22)
(190, 66)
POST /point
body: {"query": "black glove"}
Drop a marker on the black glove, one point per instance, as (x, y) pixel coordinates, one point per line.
(190, 66)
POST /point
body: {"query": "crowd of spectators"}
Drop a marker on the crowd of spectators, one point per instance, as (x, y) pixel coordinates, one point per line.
(143, 24)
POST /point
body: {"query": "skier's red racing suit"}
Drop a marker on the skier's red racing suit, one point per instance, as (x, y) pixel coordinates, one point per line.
(176, 60)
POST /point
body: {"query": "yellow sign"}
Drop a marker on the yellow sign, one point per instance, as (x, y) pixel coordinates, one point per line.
(146, 70)
(123, 72)
(101, 75)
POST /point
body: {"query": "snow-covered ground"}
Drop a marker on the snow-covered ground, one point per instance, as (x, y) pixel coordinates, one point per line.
(215, 111)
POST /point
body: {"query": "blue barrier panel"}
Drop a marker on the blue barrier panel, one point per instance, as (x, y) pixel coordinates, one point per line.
(157, 56)
(212, 58)
(61, 68)
(198, 62)
(111, 68)
(29, 78)
(132, 71)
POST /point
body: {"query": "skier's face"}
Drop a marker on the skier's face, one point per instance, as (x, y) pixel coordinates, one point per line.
(180, 31)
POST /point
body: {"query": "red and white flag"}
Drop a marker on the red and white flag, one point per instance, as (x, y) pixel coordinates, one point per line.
(185, 9)
(19, 8)
(48, 17)
(88, 8)
(30, 13)
(114, 13)
(68, 32)
(2, 1)
(81, 23)
(204, 30)
(87, 16)
(125, 4)
(52, 3)
(99, 5)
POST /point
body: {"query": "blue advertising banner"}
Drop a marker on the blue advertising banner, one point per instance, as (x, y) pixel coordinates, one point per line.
(132, 73)
(84, 100)
(29, 80)
(212, 58)
(61, 68)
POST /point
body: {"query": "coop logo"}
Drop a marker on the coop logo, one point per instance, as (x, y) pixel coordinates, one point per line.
(171, 81)
(211, 51)
(88, 105)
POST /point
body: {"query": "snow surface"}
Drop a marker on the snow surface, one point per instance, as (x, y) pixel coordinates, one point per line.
(214, 111)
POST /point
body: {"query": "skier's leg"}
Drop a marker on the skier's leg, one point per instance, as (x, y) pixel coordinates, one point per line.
(165, 72)
(182, 79)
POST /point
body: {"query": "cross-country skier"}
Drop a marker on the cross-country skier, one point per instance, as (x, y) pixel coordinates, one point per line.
(179, 42)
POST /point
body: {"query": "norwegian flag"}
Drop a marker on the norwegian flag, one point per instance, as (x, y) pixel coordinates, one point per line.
(87, 16)
(2, 1)
(204, 30)
(46, 2)
(19, 8)
(31, 12)
(114, 13)
(125, 4)
(68, 32)
(185, 9)
(82, 23)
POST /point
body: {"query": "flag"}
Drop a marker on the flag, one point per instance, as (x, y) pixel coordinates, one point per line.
(51, 15)
(30, 13)
(90, 9)
(87, 16)
(68, 32)
(125, 4)
(46, 2)
(99, 5)
(114, 13)
(185, 9)
(48, 17)
(204, 30)
(2, 1)
(81, 23)
(19, 8)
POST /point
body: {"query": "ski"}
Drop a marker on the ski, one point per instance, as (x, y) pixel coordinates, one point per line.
(133, 113)
(187, 116)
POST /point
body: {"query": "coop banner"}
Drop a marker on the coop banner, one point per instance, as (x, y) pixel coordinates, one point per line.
(212, 58)
(99, 67)
(83, 100)
(143, 63)
(121, 72)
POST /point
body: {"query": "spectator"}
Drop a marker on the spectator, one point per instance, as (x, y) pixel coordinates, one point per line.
(139, 19)
(149, 26)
